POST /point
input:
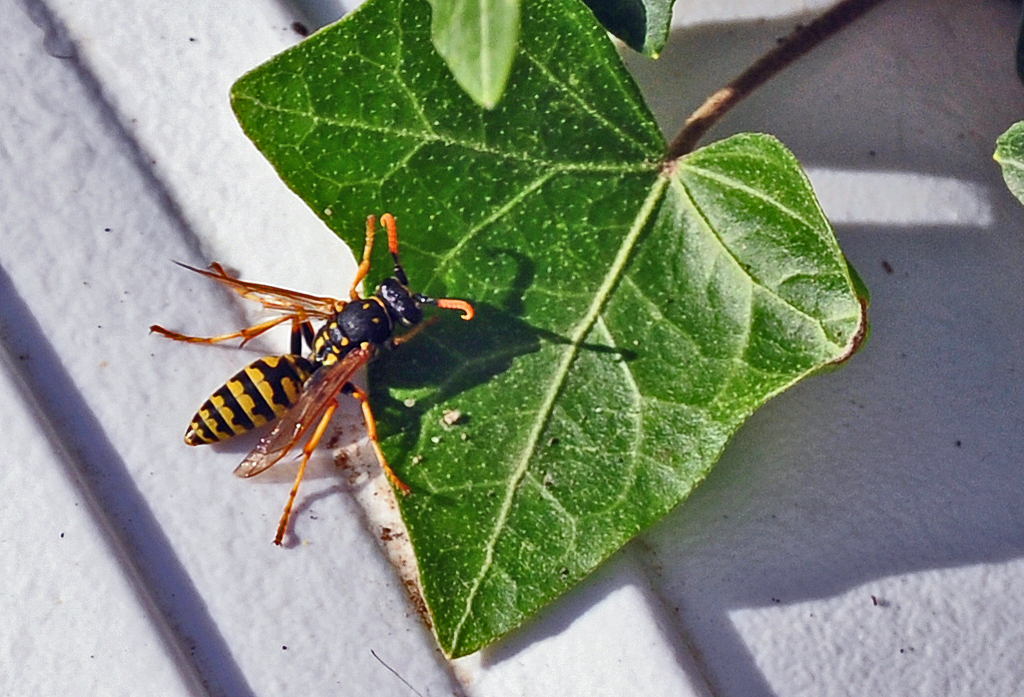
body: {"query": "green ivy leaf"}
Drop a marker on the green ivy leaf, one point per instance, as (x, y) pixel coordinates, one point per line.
(630, 316)
(1010, 156)
(478, 42)
(643, 25)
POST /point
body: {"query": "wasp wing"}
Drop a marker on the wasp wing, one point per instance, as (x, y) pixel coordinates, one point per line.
(272, 297)
(307, 411)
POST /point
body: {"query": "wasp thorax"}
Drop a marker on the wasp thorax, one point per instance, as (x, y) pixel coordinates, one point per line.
(365, 321)
(401, 304)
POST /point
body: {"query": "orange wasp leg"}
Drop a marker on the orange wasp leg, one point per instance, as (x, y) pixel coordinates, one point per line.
(399, 340)
(371, 433)
(307, 451)
(314, 441)
(368, 416)
(246, 334)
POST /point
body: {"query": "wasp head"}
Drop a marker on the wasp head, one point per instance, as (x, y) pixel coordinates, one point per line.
(401, 303)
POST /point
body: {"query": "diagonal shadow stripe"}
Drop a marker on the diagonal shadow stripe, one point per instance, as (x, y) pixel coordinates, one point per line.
(127, 524)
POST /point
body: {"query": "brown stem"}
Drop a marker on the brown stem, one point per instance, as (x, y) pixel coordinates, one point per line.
(801, 41)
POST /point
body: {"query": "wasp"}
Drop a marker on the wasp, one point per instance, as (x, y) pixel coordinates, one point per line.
(300, 393)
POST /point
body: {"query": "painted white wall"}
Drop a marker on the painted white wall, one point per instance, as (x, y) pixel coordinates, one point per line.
(861, 535)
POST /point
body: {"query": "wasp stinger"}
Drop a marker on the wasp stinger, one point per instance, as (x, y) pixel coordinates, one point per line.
(301, 392)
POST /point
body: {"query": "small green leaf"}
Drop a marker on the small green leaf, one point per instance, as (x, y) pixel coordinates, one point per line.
(642, 24)
(629, 316)
(1010, 156)
(477, 39)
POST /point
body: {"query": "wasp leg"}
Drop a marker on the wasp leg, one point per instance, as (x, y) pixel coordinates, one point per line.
(371, 433)
(246, 334)
(399, 340)
(364, 266)
(302, 330)
(307, 451)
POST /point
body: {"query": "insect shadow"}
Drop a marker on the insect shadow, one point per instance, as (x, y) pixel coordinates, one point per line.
(453, 356)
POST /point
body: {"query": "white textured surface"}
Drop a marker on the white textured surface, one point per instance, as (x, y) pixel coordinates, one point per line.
(609, 638)
(71, 617)
(898, 477)
(946, 632)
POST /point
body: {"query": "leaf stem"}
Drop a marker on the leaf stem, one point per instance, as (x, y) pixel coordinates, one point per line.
(801, 41)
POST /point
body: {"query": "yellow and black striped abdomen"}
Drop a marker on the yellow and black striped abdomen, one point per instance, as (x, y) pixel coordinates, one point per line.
(259, 393)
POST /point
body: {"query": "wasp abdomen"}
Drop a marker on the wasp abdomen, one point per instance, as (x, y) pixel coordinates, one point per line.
(258, 393)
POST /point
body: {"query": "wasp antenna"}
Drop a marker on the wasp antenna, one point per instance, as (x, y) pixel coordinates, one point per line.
(364, 266)
(186, 266)
(389, 223)
(452, 304)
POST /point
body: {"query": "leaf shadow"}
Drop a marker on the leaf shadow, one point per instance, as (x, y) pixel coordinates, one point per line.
(135, 539)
